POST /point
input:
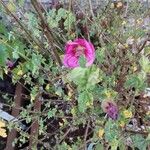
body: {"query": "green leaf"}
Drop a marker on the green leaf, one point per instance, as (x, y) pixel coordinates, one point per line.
(84, 98)
(36, 63)
(59, 91)
(82, 61)
(84, 78)
(77, 74)
(11, 6)
(145, 64)
(93, 77)
(2, 28)
(63, 146)
(136, 81)
(70, 20)
(15, 53)
(62, 13)
(100, 55)
(3, 55)
(114, 144)
(139, 142)
(1, 74)
(111, 131)
(99, 146)
(122, 145)
(53, 19)
(33, 24)
(51, 113)
(21, 3)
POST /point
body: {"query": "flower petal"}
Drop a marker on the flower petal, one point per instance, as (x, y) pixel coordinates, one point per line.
(89, 50)
(70, 61)
(69, 48)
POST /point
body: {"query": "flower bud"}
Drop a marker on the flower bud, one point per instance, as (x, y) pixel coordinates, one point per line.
(110, 108)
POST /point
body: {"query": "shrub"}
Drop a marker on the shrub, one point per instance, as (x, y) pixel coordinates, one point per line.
(101, 105)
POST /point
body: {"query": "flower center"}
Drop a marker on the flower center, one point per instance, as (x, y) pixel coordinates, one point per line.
(79, 50)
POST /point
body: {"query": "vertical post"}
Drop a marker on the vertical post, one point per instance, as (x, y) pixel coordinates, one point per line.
(34, 132)
(15, 112)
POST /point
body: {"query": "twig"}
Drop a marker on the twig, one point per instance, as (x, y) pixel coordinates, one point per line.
(20, 24)
(137, 132)
(85, 135)
(126, 11)
(70, 7)
(91, 9)
(34, 131)
(143, 45)
(47, 30)
(82, 146)
(64, 136)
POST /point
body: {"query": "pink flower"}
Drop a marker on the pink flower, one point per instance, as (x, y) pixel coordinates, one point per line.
(77, 48)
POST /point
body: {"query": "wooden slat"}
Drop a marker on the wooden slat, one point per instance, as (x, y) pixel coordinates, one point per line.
(15, 112)
(34, 132)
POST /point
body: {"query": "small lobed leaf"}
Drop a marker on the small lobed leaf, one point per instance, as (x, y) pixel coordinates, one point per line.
(84, 98)
(139, 142)
(145, 64)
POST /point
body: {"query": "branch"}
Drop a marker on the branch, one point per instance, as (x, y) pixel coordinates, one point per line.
(137, 132)
(91, 9)
(47, 30)
(65, 134)
(22, 26)
(143, 45)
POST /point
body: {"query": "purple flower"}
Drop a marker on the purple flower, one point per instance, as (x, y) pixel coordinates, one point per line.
(110, 108)
(9, 64)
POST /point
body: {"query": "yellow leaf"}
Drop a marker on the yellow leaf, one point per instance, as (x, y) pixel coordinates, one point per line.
(64, 120)
(134, 68)
(139, 21)
(121, 124)
(3, 132)
(70, 94)
(112, 5)
(73, 111)
(124, 22)
(100, 133)
(36, 47)
(61, 57)
(108, 94)
(6, 71)
(119, 4)
(148, 113)
(2, 124)
(89, 104)
(127, 113)
(61, 124)
(126, 46)
(47, 87)
(32, 97)
(20, 73)
(11, 6)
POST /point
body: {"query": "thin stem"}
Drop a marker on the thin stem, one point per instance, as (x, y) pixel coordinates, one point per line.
(143, 45)
(91, 9)
(47, 30)
(86, 133)
(22, 26)
(65, 135)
